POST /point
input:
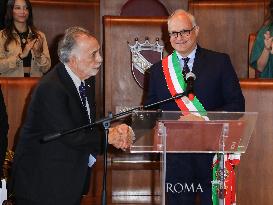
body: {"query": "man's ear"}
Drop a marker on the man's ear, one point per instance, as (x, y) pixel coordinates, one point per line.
(72, 63)
(196, 30)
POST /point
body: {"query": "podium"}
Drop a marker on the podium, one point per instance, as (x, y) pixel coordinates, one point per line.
(224, 134)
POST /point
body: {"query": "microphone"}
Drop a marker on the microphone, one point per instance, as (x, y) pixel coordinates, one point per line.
(190, 77)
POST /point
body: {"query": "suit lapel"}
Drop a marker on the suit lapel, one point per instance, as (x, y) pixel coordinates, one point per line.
(90, 88)
(90, 93)
(71, 88)
(198, 61)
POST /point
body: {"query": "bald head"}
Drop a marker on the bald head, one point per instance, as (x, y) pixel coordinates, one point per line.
(181, 14)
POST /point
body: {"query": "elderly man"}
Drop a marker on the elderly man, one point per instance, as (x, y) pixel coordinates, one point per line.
(216, 87)
(55, 172)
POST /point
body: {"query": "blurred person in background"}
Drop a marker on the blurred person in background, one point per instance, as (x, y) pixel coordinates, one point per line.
(261, 57)
(23, 48)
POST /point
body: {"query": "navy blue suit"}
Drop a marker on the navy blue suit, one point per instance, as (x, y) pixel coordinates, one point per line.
(218, 89)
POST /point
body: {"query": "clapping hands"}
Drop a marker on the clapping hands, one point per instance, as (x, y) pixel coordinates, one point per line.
(38, 47)
(121, 136)
(34, 44)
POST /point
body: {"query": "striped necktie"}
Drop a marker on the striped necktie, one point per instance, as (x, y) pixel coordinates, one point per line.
(186, 68)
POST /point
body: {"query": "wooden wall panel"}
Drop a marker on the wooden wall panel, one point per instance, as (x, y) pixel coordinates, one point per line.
(226, 25)
(120, 86)
(255, 170)
(62, 1)
(16, 92)
(113, 7)
(53, 17)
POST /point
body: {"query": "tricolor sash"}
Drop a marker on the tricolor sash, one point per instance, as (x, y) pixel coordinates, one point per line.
(176, 84)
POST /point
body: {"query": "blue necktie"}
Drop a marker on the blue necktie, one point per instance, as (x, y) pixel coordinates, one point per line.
(82, 91)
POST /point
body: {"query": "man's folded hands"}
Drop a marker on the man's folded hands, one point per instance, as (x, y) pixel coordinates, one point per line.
(121, 136)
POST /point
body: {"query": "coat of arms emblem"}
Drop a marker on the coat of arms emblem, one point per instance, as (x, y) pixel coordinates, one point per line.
(144, 55)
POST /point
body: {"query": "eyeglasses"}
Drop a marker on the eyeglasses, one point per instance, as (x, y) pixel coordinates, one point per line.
(183, 33)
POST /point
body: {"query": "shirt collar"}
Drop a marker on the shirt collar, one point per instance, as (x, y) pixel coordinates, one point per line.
(76, 80)
(191, 56)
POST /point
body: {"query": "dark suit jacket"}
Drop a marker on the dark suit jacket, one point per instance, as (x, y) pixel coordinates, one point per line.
(216, 85)
(4, 126)
(55, 172)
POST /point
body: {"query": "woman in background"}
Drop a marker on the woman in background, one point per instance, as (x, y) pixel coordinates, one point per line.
(23, 48)
(262, 53)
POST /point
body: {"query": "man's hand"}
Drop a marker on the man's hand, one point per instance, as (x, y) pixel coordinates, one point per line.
(121, 136)
(191, 117)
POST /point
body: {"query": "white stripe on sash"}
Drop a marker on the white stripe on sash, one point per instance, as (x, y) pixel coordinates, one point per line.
(178, 88)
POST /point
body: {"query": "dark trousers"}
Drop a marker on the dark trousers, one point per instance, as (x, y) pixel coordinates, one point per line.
(50, 201)
(87, 182)
(189, 175)
(23, 201)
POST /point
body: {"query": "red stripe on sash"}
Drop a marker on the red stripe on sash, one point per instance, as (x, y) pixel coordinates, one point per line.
(167, 75)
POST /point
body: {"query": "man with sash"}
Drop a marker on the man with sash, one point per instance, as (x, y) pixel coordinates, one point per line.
(216, 88)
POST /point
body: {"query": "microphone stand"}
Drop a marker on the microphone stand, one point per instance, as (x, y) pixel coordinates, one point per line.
(106, 125)
(106, 122)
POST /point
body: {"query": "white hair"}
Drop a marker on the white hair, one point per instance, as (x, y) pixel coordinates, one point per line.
(68, 42)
